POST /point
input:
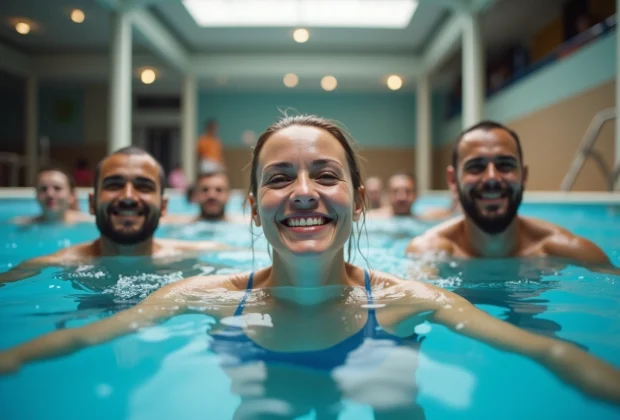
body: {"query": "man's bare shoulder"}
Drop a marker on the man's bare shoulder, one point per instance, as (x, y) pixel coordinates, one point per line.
(24, 220)
(557, 241)
(439, 239)
(66, 256)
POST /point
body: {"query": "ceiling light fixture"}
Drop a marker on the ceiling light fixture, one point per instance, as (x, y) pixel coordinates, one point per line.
(22, 28)
(301, 35)
(77, 16)
(329, 83)
(394, 14)
(394, 82)
(148, 76)
(290, 80)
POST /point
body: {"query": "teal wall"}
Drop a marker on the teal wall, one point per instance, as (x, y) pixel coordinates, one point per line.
(61, 114)
(592, 65)
(373, 119)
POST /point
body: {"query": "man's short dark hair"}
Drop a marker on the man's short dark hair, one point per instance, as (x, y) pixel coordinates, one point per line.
(131, 150)
(62, 170)
(406, 174)
(486, 125)
(209, 174)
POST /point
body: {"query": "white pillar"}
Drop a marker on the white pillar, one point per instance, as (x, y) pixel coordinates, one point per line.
(119, 113)
(617, 143)
(473, 71)
(188, 127)
(32, 129)
(423, 138)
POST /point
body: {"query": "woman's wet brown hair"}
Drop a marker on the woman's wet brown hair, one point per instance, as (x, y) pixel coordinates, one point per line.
(341, 135)
(332, 128)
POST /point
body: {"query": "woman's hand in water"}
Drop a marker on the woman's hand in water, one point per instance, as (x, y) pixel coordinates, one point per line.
(591, 375)
(9, 362)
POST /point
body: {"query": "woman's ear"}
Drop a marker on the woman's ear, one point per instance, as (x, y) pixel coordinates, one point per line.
(254, 210)
(360, 199)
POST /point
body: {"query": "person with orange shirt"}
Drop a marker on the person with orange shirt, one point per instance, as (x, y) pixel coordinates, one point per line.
(210, 151)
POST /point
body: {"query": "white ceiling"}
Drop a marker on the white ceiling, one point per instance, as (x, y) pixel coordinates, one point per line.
(505, 22)
(409, 40)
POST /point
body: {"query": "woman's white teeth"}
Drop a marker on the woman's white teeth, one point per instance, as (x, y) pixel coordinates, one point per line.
(309, 221)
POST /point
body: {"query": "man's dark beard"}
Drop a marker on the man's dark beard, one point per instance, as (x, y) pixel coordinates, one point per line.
(496, 224)
(212, 216)
(151, 221)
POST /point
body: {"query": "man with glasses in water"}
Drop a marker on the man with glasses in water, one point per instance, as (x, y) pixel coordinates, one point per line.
(488, 176)
(128, 202)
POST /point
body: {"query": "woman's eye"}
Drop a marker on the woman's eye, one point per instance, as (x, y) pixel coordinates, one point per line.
(277, 179)
(327, 175)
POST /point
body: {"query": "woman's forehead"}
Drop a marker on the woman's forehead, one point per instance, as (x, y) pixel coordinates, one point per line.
(301, 142)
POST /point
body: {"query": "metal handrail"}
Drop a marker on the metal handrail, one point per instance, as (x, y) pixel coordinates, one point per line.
(586, 149)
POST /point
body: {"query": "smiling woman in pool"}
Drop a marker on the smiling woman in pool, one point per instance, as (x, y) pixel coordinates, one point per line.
(306, 193)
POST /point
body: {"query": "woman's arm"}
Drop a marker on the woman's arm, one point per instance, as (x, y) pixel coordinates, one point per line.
(159, 306)
(576, 367)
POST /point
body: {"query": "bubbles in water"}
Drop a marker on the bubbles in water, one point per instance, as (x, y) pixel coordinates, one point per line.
(103, 390)
(141, 285)
(580, 278)
(422, 329)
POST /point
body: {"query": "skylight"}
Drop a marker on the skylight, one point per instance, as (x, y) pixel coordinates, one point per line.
(395, 14)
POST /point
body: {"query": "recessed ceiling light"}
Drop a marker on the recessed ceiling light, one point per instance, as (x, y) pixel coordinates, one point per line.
(394, 82)
(77, 16)
(301, 35)
(148, 76)
(329, 83)
(290, 80)
(22, 28)
(305, 13)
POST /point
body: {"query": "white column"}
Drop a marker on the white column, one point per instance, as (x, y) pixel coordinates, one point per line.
(188, 127)
(119, 113)
(423, 135)
(473, 71)
(32, 128)
(617, 143)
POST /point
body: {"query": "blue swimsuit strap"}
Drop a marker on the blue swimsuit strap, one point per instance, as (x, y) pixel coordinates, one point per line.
(248, 290)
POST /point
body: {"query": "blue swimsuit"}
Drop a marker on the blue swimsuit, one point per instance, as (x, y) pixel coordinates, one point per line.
(233, 341)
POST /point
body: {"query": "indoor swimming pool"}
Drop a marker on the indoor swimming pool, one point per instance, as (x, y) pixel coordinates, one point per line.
(173, 371)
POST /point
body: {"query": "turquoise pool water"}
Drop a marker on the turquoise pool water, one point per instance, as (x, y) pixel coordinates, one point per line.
(169, 371)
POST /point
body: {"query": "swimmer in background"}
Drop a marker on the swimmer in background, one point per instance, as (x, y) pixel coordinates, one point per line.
(374, 192)
(488, 176)
(127, 203)
(211, 192)
(57, 198)
(402, 195)
(291, 320)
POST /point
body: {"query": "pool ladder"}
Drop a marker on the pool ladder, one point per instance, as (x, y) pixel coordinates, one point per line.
(586, 150)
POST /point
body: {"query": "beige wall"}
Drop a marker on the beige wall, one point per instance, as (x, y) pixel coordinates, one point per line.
(550, 137)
